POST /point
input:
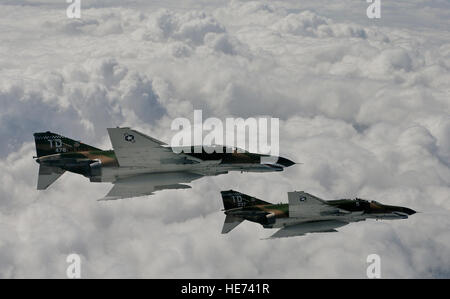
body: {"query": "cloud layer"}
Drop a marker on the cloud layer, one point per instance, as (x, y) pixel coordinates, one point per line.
(363, 104)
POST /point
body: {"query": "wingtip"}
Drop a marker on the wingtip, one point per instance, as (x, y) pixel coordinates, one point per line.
(128, 128)
(108, 198)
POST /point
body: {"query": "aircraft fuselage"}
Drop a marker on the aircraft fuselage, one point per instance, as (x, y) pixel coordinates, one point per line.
(348, 210)
(103, 166)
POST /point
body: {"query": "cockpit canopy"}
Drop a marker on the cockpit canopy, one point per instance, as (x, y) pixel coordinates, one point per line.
(210, 149)
(361, 200)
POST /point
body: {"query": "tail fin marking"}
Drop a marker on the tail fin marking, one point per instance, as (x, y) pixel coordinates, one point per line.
(48, 143)
(233, 199)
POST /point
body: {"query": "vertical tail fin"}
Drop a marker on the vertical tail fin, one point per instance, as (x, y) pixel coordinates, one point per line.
(48, 143)
(233, 199)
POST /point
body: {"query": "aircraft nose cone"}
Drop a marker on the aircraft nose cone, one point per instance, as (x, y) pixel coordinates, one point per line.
(285, 162)
(409, 211)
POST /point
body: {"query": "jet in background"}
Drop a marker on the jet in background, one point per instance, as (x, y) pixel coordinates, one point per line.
(304, 213)
(139, 165)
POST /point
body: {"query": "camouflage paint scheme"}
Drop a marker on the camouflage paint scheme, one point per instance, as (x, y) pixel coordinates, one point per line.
(144, 158)
(73, 156)
(239, 207)
(76, 156)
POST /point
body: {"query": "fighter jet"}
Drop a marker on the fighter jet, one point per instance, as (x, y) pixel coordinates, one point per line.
(139, 165)
(304, 213)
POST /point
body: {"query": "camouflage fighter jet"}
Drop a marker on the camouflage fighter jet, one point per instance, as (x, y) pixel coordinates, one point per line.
(304, 213)
(139, 164)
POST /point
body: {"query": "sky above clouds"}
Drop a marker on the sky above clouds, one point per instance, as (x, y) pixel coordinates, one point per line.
(363, 104)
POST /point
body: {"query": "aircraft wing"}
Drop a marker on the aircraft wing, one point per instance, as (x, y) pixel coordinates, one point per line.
(146, 184)
(308, 227)
(133, 148)
(302, 204)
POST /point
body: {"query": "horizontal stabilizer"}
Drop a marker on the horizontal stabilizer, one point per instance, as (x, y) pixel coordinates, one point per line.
(47, 175)
(230, 223)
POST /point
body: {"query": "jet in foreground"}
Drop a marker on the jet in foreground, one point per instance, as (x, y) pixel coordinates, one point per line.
(304, 213)
(139, 164)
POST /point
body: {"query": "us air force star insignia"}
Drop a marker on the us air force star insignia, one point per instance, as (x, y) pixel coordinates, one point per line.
(303, 198)
(129, 138)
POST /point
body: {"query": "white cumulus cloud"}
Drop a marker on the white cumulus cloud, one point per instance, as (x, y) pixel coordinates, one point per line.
(363, 104)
